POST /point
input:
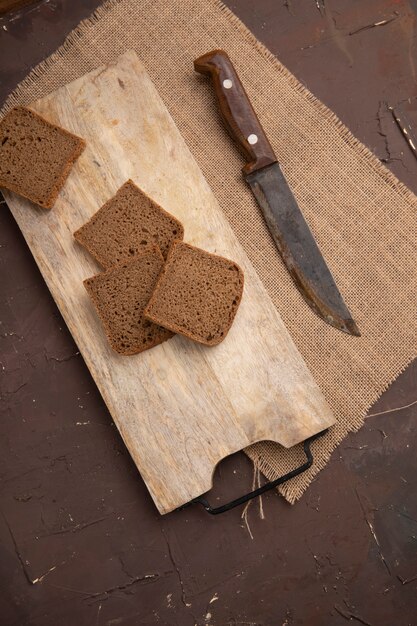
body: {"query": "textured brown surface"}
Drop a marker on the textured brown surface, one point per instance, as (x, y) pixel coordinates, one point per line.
(12, 5)
(125, 225)
(35, 156)
(120, 296)
(71, 496)
(197, 294)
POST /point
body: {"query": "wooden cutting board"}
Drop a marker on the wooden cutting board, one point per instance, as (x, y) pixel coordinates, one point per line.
(179, 407)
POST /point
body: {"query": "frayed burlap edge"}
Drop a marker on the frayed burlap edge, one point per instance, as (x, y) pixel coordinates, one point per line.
(332, 439)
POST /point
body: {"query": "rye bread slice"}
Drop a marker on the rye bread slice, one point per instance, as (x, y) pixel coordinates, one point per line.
(120, 296)
(197, 294)
(126, 225)
(35, 156)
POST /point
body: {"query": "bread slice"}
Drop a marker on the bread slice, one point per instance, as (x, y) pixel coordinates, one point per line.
(127, 224)
(120, 296)
(35, 156)
(197, 294)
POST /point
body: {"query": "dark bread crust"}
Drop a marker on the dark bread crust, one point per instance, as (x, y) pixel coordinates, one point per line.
(23, 167)
(120, 295)
(197, 294)
(127, 224)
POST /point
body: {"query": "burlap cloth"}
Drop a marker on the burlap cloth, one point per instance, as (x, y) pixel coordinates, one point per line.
(362, 216)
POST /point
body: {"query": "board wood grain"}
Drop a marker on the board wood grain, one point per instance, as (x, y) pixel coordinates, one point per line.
(180, 407)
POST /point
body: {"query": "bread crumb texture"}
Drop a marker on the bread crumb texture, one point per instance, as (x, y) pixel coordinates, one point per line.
(35, 156)
(126, 225)
(197, 294)
(120, 296)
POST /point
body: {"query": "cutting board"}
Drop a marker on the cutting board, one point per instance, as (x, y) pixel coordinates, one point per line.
(180, 407)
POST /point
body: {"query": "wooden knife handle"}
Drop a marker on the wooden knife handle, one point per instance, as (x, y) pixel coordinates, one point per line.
(236, 109)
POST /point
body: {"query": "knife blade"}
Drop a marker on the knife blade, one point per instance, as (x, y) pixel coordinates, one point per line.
(283, 216)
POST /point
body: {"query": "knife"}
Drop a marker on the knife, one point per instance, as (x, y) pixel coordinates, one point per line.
(283, 216)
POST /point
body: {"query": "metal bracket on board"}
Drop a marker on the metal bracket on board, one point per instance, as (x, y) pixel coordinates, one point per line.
(266, 487)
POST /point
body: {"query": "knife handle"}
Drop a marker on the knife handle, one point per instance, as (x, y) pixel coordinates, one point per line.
(237, 110)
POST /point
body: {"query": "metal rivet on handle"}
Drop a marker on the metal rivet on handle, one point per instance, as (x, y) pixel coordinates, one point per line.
(252, 139)
(227, 83)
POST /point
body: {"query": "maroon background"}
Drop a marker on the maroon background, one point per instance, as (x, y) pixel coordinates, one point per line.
(71, 497)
